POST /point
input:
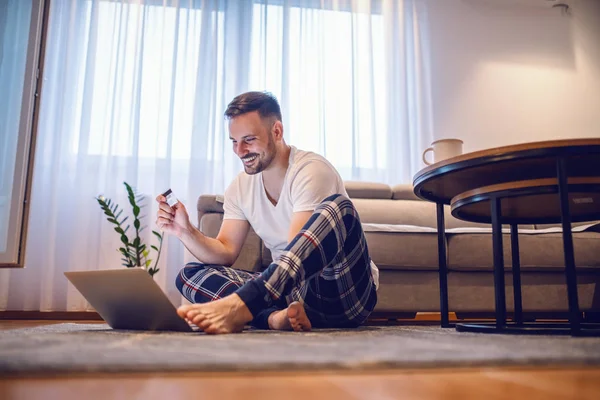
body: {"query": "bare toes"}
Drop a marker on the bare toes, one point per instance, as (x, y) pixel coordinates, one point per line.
(198, 319)
(204, 324)
(183, 310)
(298, 318)
(192, 314)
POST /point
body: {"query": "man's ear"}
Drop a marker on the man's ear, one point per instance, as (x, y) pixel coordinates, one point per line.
(277, 130)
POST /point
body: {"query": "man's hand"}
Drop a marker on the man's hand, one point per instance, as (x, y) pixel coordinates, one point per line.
(222, 250)
(172, 220)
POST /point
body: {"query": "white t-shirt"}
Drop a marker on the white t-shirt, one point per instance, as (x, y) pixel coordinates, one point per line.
(246, 199)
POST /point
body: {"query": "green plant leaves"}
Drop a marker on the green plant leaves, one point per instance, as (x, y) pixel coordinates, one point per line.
(135, 253)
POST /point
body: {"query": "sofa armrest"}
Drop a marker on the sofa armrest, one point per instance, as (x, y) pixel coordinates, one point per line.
(404, 192)
(367, 190)
(209, 203)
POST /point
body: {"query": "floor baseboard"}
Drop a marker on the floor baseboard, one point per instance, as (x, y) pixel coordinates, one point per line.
(51, 315)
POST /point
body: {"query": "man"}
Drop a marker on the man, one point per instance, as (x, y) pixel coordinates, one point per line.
(321, 275)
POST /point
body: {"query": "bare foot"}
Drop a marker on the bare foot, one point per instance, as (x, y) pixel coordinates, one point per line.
(279, 321)
(227, 315)
(298, 318)
(292, 318)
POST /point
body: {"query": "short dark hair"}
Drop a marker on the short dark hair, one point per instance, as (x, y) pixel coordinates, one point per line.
(264, 102)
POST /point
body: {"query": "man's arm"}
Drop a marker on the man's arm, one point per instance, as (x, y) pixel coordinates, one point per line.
(223, 250)
(299, 219)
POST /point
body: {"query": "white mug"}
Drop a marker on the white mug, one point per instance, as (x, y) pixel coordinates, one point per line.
(443, 149)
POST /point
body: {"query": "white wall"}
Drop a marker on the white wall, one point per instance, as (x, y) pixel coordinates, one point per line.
(514, 71)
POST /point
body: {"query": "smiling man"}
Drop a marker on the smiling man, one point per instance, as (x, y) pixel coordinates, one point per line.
(321, 274)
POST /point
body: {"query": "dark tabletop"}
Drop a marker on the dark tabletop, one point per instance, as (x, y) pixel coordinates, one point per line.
(442, 181)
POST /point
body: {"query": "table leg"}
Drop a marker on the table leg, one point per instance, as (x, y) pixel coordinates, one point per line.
(570, 272)
(498, 264)
(443, 268)
(516, 272)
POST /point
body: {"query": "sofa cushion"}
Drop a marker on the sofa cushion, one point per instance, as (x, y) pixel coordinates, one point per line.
(406, 212)
(538, 252)
(595, 225)
(409, 251)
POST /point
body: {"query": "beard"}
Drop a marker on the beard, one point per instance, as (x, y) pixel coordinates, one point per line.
(263, 160)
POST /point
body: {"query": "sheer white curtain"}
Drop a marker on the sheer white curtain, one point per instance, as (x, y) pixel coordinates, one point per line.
(135, 91)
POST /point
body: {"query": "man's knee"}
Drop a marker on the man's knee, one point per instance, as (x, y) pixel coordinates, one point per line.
(186, 273)
(341, 202)
(337, 198)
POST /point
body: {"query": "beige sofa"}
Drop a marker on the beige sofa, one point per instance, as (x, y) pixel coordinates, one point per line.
(400, 231)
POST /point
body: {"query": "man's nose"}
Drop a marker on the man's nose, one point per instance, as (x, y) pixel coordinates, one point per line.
(242, 149)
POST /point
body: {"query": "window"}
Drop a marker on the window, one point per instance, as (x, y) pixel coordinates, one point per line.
(333, 66)
(151, 77)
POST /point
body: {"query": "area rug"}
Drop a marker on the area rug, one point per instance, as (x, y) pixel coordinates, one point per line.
(70, 347)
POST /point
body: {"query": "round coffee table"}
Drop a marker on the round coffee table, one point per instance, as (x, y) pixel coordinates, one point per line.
(508, 185)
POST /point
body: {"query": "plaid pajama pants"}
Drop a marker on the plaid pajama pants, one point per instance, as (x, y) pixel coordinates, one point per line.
(326, 267)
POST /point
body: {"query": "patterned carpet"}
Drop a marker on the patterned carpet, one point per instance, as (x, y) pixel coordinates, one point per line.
(74, 347)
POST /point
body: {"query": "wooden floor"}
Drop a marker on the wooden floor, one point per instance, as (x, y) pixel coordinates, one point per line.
(552, 382)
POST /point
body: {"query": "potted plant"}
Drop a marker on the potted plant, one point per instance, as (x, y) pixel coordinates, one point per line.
(134, 253)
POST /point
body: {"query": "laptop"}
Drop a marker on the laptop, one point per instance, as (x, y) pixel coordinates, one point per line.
(129, 299)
